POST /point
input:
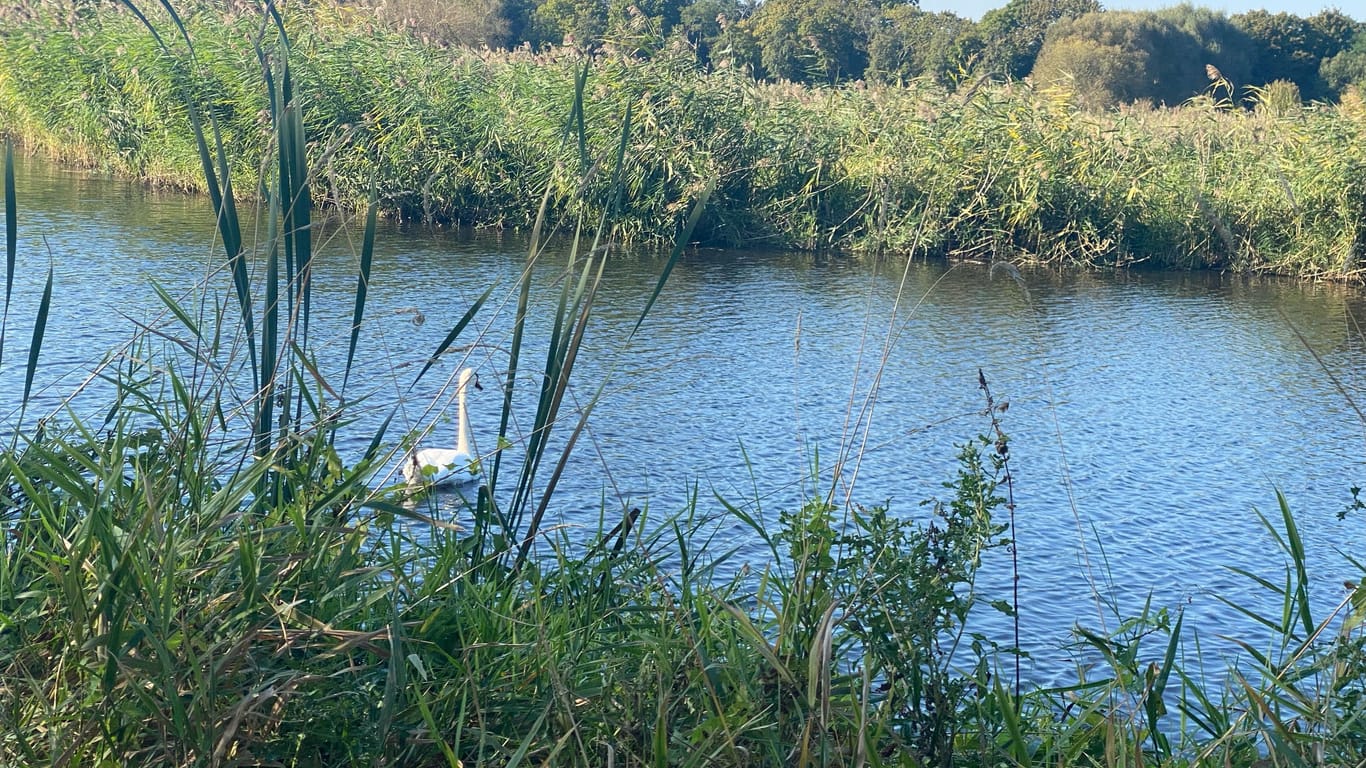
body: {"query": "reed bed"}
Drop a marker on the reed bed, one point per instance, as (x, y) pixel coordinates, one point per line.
(466, 137)
(194, 577)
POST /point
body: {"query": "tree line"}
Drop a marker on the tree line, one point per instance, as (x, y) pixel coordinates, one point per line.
(1109, 57)
(1104, 57)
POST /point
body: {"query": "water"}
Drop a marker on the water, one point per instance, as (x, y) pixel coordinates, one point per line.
(1149, 413)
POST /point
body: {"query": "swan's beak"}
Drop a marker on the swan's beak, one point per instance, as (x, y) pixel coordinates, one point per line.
(476, 383)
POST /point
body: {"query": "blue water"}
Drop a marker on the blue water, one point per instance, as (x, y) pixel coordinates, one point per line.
(1150, 414)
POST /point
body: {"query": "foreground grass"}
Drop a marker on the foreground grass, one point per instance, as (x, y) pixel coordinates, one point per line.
(195, 576)
(152, 614)
(1001, 172)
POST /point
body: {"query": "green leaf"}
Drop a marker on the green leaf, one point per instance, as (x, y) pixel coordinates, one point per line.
(11, 239)
(39, 328)
(677, 251)
(367, 252)
(454, 334)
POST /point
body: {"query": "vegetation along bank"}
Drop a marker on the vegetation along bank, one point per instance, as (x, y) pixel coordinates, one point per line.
(473, 137)
(193, 577)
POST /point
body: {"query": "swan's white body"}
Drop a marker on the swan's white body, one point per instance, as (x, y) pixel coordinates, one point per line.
(443, 466)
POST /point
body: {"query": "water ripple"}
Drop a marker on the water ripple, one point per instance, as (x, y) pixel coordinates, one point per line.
(1150, 414)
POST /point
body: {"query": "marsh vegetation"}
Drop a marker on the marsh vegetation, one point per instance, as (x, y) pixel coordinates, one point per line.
(1003, 172)
(196, 577)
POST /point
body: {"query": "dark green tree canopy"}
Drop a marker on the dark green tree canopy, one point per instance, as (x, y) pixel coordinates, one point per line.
(1013, 35)
(1124, 56)
(1347, 68)
(1211, 39)
(911, 43)
(1292, 48)
(815, 40)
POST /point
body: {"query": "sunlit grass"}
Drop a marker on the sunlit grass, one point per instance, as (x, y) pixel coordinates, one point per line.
(991, 171)
(195, 577)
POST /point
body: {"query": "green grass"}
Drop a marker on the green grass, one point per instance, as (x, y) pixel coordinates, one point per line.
(991, 171)
(195, 577)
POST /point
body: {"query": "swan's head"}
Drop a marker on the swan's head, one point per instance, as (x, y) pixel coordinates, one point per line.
(466, 376)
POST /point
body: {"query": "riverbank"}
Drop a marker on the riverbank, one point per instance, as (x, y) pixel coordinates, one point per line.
(987, 172)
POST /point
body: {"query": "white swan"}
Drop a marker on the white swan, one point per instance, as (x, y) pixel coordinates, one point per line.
(443, 466)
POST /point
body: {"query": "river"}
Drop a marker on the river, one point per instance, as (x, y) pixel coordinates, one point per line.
(1150, 414)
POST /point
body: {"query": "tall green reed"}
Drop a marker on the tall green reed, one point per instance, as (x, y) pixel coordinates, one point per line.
(11, 239)
(44, 303)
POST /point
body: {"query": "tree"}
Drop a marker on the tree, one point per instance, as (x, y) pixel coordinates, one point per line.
(1100, 71)
(814, 40)
(469, 23)
(581, 21)
(1348, 67)
(1292, 48)
(708, 26)
(1342, 62)
(1013, 35)
(1338, 30)
(1124, 56)
(638, 25)
(629, 17)
(1217, 42)
(910, 43)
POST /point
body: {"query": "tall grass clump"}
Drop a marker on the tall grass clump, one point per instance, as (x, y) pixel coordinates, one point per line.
(1152, 697)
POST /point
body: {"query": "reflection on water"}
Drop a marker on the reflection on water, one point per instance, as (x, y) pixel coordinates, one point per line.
(1150, 413)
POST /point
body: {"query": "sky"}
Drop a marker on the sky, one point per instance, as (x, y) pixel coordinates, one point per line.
(1354, 8)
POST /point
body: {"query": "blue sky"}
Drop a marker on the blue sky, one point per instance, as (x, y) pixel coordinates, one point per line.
(1354, 8)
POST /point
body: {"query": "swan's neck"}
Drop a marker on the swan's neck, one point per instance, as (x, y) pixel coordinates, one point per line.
(462, 425)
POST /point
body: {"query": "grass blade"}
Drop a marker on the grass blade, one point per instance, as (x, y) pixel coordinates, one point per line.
(1296, 551)
(220, 194)
(1153, 703)
(558, 370)
(515, 350)
(39, 327)
(265, 401)
(1017, 745)
(453, 335)
(677, 251)
(11, 239)
(367, 254)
